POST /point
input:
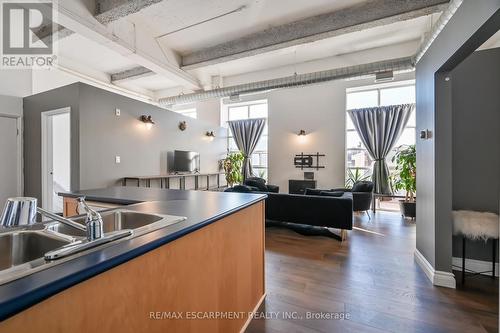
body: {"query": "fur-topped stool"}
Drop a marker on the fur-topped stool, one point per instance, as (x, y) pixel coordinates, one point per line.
(476, 225)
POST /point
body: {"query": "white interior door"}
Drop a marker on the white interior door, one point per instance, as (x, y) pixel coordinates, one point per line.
(56, 157)
(9, 161)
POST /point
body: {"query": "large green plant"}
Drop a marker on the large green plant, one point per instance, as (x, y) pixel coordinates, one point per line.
(233, 165)
(405, 177)
(355, 175)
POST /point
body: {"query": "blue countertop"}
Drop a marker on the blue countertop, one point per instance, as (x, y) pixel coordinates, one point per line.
(200, 208)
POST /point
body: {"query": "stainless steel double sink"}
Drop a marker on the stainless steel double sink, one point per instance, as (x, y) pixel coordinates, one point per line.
(23, 250)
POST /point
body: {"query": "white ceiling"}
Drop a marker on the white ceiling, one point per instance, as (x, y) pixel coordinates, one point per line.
(258, 15)
(342, 45)
(91, 54)
(82, 54)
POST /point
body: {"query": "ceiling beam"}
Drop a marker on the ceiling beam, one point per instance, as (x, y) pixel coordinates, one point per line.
(133, 73)
(106, 11)
(145, 51)
(360, 17)
(58, 33)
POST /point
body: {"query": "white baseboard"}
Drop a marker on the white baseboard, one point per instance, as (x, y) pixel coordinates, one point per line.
(474, 265)
(438, 278)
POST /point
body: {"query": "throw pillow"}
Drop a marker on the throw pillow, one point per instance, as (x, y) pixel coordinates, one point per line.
(261, 186)
(312, 191)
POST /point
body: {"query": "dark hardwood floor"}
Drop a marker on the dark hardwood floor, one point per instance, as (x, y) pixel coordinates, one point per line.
(372, 278)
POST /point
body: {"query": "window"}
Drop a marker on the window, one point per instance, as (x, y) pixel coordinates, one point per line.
(191, 112)
(248, 110)
(356, 154)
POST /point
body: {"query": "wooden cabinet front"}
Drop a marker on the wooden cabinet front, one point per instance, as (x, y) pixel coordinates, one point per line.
(218, 269)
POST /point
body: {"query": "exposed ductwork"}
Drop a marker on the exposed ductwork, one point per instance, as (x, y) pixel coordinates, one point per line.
(436, 30)
(395, 65)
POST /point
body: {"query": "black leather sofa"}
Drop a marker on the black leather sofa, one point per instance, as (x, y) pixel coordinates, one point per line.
(321, 209)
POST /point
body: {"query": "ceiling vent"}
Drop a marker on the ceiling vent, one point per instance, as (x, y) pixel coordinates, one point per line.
(386, 76)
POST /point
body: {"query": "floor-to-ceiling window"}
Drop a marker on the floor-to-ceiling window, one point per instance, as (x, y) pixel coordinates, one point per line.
(248, 110)
(358, 161)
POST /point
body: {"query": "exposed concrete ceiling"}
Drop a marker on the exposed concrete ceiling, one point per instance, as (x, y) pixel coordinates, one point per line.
(140, 45)
(258, 15)
(340, 46)
(128, 40)
(361, 17)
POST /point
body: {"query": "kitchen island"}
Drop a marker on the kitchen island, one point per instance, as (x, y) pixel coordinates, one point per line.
(204, 274)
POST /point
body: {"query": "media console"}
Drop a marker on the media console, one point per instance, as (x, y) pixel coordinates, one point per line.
(164, 180)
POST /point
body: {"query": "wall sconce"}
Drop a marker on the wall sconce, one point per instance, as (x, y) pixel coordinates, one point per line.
(302, 138)
(210, 135)
(183, 125)
(148, 121)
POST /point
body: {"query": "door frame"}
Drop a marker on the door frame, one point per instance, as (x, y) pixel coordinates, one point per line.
(45, 163)
(19, 151)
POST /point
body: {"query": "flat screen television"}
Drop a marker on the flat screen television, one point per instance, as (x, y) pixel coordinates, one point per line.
(186, 161)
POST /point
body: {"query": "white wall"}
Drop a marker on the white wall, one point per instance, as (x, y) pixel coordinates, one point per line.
(48, 79)
(15, 82)
(320, 110)
(11, 105)
(209, 111)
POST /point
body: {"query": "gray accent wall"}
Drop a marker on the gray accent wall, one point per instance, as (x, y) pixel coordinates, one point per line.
(33, 106)
(98, 135)
(460, 37)
(476, 141)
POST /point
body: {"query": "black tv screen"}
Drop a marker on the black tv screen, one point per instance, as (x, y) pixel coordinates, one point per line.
(186, 161)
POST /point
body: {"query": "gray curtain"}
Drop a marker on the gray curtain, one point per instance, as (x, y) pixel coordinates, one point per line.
(379, 129)
(246, 134)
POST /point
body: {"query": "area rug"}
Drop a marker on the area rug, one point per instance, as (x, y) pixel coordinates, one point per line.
(304, 229)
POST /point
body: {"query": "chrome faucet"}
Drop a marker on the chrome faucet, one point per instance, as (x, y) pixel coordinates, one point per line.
(60, 219)
(93, 221)
(22, 211)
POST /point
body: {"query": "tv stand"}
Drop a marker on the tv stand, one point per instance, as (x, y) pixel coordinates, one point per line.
(164, 180)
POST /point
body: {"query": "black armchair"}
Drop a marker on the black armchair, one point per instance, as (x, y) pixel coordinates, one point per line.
(362, 196)
(260, 183)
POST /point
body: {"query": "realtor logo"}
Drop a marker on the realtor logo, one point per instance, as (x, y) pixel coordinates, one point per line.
(27, 29)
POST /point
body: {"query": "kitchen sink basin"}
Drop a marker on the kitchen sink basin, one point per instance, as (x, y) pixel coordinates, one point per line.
(29, 249)
(21, 247)
(117, 220)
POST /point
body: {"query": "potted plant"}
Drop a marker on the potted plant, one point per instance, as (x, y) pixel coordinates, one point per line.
(355, 175)
(406, 178)
(233, 164)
